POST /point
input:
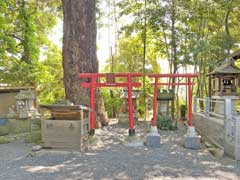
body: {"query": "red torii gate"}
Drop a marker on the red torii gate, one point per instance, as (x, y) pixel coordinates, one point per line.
(157, 84)
(129, 84)
(110, 82)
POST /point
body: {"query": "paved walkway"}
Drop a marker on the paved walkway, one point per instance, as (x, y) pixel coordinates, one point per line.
(110, 159)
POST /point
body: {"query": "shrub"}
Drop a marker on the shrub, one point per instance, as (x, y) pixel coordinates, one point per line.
(166, 123)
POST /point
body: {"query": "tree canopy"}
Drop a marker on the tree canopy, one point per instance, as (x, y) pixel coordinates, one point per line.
(27, 56)
(196, 34)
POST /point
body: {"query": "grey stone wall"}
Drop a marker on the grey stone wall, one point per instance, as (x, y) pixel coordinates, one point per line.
(210, 128)
(20, 125)
(223, 133)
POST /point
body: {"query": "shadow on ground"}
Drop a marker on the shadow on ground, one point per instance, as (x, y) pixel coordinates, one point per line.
(110, 159)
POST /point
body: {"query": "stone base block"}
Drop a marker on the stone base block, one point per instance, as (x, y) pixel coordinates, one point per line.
(133, 141)
(153, 140)
(192, 142)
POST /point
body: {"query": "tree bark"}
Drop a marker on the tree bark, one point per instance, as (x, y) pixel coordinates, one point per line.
(174, 65)
(79, 46)
(79, 49)
(229, 37)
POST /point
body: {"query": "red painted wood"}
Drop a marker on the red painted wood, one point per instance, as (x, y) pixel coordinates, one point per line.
(93, 84)
(154, 120)
(92, 103)
(130, 103)
(173, 75)
(129, 84)
(156, 84)
(189, 101)
(87, 85)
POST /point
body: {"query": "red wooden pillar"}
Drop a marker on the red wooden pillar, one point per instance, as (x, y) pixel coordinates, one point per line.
(190, 101)
(92, 105)
(130, 107)
(154, 120)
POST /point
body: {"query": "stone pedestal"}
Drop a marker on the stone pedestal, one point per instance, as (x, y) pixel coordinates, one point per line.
(191, 139)
(153, 138)
(219, 108)
(133, 141)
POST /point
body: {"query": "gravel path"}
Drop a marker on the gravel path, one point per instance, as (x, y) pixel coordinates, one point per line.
(110, 159)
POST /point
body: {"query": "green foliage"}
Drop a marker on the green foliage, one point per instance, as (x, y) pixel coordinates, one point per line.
(197, 33)
(130, 57)
(27, 57)
(33, 137)
(166, 123)
(112, 102)
(4, 140)
(183, 111)
(51, 78)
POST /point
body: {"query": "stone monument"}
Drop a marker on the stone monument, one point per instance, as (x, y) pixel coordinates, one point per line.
(23, 112)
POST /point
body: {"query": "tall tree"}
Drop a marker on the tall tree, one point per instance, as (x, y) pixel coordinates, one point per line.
(79, 46)
(79, 51)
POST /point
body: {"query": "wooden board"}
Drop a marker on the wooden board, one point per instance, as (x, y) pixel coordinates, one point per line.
(64, 134)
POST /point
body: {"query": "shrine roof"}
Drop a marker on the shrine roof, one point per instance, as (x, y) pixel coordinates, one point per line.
(9, 89)
(228, 66)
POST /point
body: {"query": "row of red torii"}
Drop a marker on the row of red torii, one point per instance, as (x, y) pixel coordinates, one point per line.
(93, 82)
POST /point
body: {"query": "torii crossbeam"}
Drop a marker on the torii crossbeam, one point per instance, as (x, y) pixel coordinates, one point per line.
(110, 82)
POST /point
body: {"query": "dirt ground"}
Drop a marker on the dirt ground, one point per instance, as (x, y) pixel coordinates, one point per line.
(109, 158)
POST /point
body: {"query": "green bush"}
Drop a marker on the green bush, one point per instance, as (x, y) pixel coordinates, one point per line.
(183, 111)
(166, 123)
(34, 137)
(112, 104)
(4, 140)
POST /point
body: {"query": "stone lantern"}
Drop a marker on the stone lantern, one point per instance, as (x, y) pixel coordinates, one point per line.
(25, 103)
(224, 82)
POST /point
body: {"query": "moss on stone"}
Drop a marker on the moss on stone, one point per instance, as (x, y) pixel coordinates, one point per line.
(4, 140)
(34, 137)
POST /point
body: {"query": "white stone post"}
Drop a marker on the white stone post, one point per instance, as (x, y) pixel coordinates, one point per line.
(195, 104)
(228, 119)
(237, 139)
(228, 109)
(207, 106)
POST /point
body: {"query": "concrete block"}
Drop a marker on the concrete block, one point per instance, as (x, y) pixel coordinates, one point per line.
(192, 142)
(153, 140)
(210, 128)
(133, 141)
(191, 139)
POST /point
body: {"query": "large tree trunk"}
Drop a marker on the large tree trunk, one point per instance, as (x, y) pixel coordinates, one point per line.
(79, 47)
